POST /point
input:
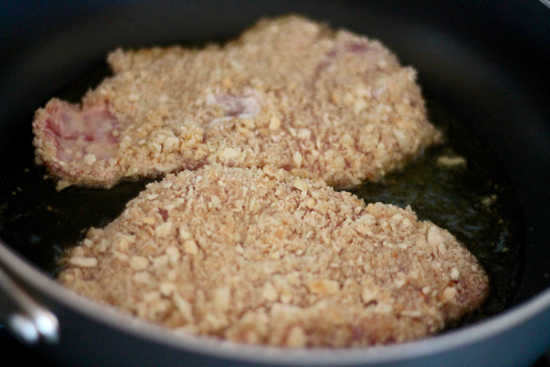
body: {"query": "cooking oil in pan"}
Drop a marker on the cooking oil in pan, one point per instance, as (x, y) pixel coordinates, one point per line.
(458, 186)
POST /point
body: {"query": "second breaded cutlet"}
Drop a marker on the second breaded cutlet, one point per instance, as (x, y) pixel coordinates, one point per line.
(289, 92)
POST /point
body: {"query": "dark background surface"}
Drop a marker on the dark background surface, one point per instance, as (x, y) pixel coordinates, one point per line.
(12, 353)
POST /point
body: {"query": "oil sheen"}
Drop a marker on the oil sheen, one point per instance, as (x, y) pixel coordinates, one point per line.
(461, 187)
(458, 185)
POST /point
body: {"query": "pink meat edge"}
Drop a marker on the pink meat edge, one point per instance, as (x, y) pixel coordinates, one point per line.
(78, 145)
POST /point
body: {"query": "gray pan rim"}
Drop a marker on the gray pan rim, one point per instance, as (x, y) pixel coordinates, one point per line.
(461, 338)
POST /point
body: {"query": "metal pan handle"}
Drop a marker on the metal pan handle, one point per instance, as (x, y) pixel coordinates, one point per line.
(29, 321)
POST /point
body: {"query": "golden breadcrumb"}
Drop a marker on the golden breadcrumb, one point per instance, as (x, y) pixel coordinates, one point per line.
(289, 92)
(262, 256)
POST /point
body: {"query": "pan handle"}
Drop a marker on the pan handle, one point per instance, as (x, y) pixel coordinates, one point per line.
(29, 321)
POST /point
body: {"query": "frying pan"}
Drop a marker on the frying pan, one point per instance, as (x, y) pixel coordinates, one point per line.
(486, 62)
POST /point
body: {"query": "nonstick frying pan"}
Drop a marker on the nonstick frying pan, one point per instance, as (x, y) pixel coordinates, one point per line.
(486, 62)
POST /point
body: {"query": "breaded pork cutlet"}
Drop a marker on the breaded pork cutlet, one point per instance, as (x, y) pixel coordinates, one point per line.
(289, 92)
(261, 256)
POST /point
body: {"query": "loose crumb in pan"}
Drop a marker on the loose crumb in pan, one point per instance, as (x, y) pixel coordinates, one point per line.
(288, 92)
(261, 256)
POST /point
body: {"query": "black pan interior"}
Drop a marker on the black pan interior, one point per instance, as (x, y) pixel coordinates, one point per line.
(482, 79)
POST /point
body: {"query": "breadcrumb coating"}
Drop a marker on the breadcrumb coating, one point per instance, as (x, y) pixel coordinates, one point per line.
(261, 256)
(289, 92)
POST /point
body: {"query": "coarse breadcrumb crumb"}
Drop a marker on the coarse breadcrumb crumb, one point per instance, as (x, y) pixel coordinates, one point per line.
(260, 256)
(288, 92)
